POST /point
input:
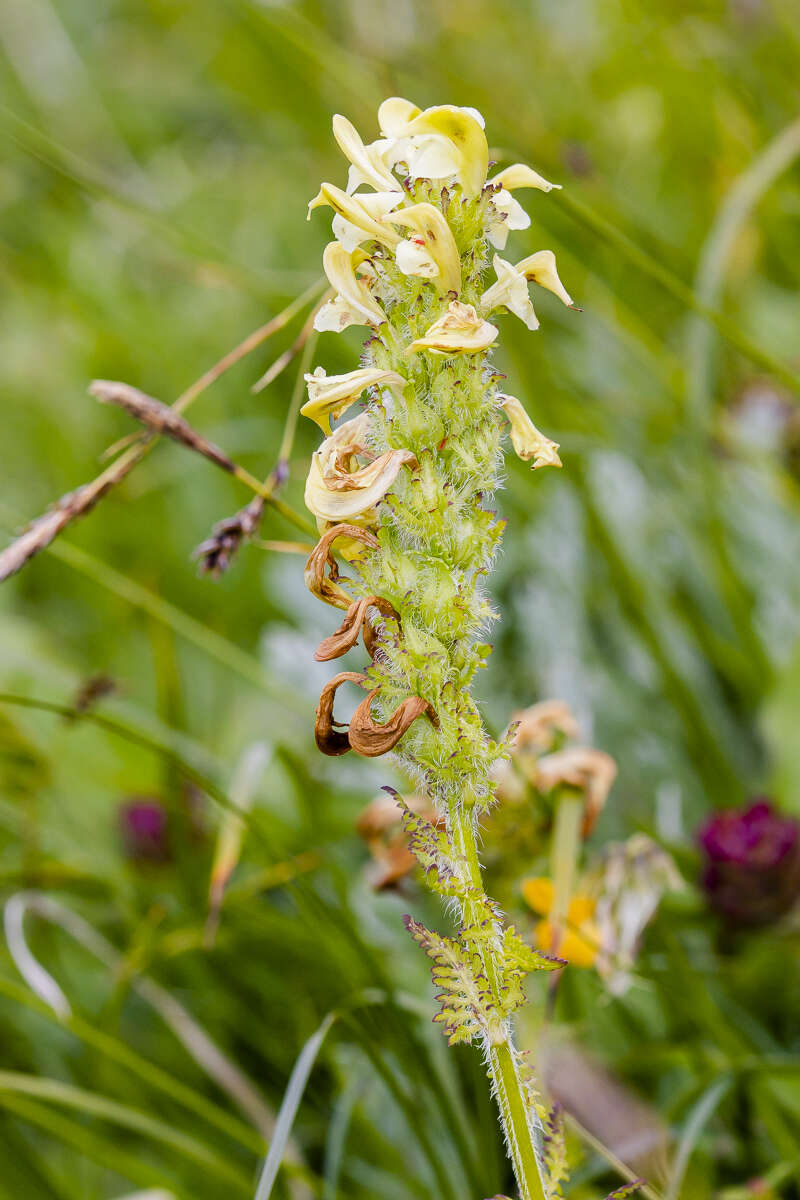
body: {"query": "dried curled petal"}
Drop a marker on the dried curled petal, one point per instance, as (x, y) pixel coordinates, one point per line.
(593, 771)
(371, 739)
(346, 635)
(538, 725)
(327, 586)
(332, 741)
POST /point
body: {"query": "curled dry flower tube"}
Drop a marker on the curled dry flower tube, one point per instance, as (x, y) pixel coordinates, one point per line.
(398, 492)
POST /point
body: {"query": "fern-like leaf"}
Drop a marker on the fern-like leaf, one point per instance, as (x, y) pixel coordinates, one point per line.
(555, 1152)
(468, 1008)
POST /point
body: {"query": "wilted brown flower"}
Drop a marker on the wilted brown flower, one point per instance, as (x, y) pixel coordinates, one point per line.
(327, 586)
(371, 739)
(591, 771)
(538, 725)
(346, 635)
(332, 741)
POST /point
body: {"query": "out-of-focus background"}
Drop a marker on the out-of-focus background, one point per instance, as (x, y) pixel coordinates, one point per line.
(157, 160)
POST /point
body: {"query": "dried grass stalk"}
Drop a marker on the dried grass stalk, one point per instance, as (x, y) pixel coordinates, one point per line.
(159, 418)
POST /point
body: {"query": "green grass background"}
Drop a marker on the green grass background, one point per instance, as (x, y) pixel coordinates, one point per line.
(157, 159)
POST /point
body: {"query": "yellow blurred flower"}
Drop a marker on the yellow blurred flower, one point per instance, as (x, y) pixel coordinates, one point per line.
(579, 942)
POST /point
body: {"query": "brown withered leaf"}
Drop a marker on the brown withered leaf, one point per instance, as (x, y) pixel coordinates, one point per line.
(370, 739)
(346, 635)
(217, 551)
(327, 586)
(158, 417)
(332, 741)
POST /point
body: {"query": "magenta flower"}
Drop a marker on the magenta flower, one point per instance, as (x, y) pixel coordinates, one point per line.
(144, 828)
(752, 872)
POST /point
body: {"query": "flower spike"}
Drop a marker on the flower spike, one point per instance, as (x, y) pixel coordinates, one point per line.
(408, 262)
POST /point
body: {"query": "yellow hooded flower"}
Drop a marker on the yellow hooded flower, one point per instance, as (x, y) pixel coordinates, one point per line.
(367, 163)
(458, 331)
(511, 290)
(506, 213)
(525, 437)
(431, 251)
(331, 395)
(579, 942)
(353, 303)
(337, 487)
(358, 217)
(440, 142)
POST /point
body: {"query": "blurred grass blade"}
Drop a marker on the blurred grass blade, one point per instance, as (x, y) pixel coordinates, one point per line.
(735, 210)
(122, 1054)
(681, 291)
(155, 1129)
(248, 773)
(289, 1105)
(698, 1118)
(189, 1032)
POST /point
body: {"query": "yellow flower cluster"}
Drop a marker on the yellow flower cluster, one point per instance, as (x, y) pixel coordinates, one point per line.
(378, 220)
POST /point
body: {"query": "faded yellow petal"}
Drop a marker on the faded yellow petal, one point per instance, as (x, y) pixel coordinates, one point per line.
(459, 330)
(337, 488)
(541, 268)
(463, 128)
(338, 266)
(364, 489)
(525, 437)
(368, 165)
(429, 224)
(355, 211)
(521, 176)
(331, 395)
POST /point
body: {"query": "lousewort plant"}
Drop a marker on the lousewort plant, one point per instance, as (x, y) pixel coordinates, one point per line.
(402, 493)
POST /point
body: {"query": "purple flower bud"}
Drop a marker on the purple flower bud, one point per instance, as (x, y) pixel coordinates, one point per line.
(144, 828)
(752, 872)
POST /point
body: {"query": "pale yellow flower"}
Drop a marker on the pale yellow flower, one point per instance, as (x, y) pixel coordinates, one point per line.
(459, 330)
(438, 143)
(353, 303)
(368, 165)
(431, 250)
(331, 395)
(357, 217)
(525, 437)
(337, 487)
(511, 290)
(541, 268)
